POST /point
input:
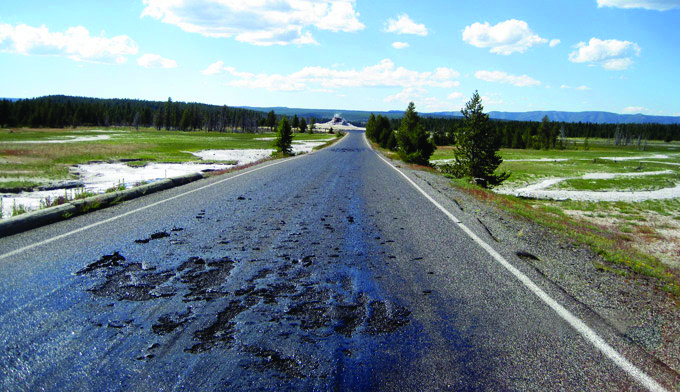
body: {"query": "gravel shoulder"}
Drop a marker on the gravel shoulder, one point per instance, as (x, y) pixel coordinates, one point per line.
(633, 306)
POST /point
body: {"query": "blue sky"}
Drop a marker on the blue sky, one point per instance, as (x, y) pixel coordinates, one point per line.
(612, 55)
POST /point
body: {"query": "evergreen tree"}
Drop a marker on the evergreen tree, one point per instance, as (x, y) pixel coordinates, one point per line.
(271, 120)
(545, 133)
(185, 123)
(384, 129)
(312, 125)
(371, 128)
(477, 145)
(296, 122)
(168, 110)
(303, 125)
(284, 137)
(414, 143)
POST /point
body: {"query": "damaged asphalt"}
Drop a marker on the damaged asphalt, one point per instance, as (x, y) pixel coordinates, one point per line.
(323, 272)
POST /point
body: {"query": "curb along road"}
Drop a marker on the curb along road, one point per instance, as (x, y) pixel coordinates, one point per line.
(35, 219)
(38, 218)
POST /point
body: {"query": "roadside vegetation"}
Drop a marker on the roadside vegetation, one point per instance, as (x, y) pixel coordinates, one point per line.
(33, 159)
(476, 147)
(635, 239)
(639, 238)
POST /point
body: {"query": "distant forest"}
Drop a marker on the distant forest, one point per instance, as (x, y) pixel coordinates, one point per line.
(526, 134)
(62, 111)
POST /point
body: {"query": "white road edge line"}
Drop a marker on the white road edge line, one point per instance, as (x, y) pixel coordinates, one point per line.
(49, 240)
(576, 323)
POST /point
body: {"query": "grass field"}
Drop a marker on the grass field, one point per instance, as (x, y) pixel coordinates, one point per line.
(634, 237)
(26, 162)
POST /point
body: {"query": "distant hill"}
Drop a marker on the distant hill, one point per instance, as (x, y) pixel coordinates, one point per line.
(358, 116)
(353, 116)
(592, 117)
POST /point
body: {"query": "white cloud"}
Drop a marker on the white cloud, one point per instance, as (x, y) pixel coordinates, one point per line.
(407, 95)
(502, 77)
(261, 22)
(75, 43)
(383, 74)
(455, 95)
(580, 88)
(611, 54)
(404, 25)
(554, 43)
(504, 38)
(434, 104)
(487, 100)
(214, 68)
(156, 61)
(400, 45)
(634, 109)
(658, 5)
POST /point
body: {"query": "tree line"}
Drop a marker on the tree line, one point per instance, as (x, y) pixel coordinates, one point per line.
(547, 134)
(60, 111)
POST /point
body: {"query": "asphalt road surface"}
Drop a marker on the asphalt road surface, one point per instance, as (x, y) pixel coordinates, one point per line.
(328, 271)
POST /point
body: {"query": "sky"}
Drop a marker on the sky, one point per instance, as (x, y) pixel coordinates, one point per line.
(619, 56)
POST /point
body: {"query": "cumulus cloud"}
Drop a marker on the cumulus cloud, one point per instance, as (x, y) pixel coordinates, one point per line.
(658, 5)
(611, 54)
(634, 109)
(404, 25)
(75, 43)
(156, 61)
(400, 45)
(383, 74)
(580, 88)
(504, 38)
(435, 104)
(489, 100)
(407, 95)
(502, 77)
(554, 43)
(455, 95)
(262, 22)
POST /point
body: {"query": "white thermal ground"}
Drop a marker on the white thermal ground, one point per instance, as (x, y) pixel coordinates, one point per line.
(98, 177)
(540, 190)
(444, 161)
(66, 139)
(657, 156)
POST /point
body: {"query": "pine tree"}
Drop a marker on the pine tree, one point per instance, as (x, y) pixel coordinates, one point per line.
(296, 122)
(414, 143)
(303, 125)
(478, 143)
(371, 128)
(544, 133)
(384, 134)
(284, 137)
(185, 122)
(271, 119)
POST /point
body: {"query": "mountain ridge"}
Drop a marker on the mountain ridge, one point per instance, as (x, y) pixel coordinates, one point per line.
(599, 117)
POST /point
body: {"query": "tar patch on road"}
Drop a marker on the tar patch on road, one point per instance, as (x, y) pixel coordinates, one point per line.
(302, 301)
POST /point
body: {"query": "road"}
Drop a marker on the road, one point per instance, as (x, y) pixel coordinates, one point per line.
(324, 271)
